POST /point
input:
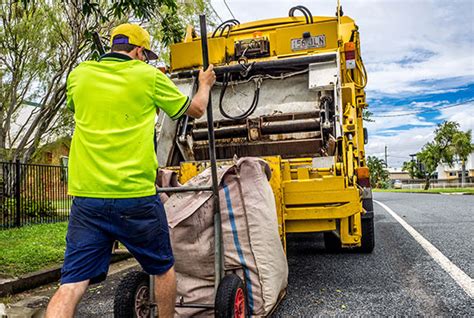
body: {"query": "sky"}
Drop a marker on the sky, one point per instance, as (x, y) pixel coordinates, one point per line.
(419, 58)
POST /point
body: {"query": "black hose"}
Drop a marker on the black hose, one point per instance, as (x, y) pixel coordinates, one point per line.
(310, 15)
(245, 114)
(227, 26)
(231, 22)
(307, 14)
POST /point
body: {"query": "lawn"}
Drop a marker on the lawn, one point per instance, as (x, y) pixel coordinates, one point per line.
(31, 248)
(447, 190)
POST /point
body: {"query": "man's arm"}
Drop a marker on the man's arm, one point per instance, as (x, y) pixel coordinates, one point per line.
(201, 98)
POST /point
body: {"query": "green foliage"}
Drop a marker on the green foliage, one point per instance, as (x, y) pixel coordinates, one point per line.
(443, 139)
(33, 209)
(379, 177)
(449, 143)
(366, 115)
(31, 248)
(461, 145)
(430, 157)
(41, 41)
(38, 209)
(413, 168)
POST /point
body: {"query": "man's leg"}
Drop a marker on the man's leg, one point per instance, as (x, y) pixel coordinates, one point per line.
(165, 293)
(64, 302)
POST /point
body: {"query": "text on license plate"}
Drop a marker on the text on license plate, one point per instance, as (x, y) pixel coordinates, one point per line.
(308, 43)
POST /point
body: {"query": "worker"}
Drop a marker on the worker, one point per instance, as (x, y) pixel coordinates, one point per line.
(112, 167)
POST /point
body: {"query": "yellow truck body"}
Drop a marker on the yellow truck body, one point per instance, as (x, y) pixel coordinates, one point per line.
(319, 175)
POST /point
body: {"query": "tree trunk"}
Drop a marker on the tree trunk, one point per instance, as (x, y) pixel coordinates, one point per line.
(463, 173)
(427, 184)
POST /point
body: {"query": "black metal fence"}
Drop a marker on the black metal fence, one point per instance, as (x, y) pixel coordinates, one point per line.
(32, 194)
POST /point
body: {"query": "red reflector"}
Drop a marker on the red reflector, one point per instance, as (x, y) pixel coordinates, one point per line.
(350, 55)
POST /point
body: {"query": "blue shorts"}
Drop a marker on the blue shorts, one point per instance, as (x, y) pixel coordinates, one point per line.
(94, 224)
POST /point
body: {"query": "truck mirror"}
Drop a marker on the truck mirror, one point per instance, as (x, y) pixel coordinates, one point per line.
(366, 136)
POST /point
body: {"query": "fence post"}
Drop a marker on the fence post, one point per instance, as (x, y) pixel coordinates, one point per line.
(17, 192)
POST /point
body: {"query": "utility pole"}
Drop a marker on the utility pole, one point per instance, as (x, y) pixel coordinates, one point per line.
(386, 162)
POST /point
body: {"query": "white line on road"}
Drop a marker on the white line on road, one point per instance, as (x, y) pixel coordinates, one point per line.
(461, 278)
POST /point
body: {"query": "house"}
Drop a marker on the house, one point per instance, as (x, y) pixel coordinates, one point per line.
(52, 153)
(398, 174)
(454, 173)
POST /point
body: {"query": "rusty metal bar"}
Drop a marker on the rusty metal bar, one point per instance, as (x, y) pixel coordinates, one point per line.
(267, 128)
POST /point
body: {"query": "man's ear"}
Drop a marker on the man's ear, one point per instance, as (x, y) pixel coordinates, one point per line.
(140, 51)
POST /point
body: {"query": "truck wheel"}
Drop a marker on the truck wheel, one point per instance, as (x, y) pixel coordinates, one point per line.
(368, 236)
(132, 298)
(231, 298)
(368, 204)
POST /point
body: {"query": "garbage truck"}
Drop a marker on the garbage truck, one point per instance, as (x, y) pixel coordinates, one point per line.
(289, 90)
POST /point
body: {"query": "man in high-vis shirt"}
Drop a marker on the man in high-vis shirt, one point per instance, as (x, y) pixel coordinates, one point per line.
(112, 167)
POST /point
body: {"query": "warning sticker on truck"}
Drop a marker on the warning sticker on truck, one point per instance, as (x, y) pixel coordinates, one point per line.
(308, 43)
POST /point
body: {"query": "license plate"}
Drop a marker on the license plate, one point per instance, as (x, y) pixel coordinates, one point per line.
(308, 43)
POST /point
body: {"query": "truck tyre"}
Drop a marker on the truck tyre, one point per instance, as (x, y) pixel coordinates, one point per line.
(231, 298)
(132, 298)
(368, 204)
(368, 236)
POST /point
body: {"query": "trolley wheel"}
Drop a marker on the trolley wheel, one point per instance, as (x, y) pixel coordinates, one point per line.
(231, 298)
(132, 298)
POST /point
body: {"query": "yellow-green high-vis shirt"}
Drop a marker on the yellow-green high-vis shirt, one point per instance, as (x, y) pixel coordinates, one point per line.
(115, 101)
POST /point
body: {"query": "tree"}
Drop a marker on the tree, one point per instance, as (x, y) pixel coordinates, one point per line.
(378, 175)
(438, 151)
(413, 169)
(41, 41)
(430, 157)
(462, 148)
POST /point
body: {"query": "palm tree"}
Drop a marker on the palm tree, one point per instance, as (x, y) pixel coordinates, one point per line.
(462, 148)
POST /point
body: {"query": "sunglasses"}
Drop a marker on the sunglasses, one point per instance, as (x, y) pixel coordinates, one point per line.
(147, 60)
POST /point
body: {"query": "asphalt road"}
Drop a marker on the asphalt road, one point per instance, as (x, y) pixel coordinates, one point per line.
(398, 279)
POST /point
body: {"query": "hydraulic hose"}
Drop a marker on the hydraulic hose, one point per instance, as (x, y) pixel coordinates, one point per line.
(226, 24)
(252, 107)
(307, 14)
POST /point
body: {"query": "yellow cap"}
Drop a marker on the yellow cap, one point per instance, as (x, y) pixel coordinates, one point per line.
(135, 35)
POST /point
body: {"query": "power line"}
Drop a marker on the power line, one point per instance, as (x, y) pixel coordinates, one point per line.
(229, 9)
(215, 12)
(423, 111)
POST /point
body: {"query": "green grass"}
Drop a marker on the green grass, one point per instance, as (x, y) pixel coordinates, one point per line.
(447, 190)
(31, 248)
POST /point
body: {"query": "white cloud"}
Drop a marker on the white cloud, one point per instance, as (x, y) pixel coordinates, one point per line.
(382, 124)
(408, 46)
(402, 143)
(463, 114)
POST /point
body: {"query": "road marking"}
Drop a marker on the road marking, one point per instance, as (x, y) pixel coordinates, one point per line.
(461, 278)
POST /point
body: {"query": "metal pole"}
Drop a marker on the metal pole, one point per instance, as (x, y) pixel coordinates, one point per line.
(218, 257)
(17, 193)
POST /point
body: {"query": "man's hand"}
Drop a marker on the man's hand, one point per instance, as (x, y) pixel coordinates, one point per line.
(207, 78)
(201, 99)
